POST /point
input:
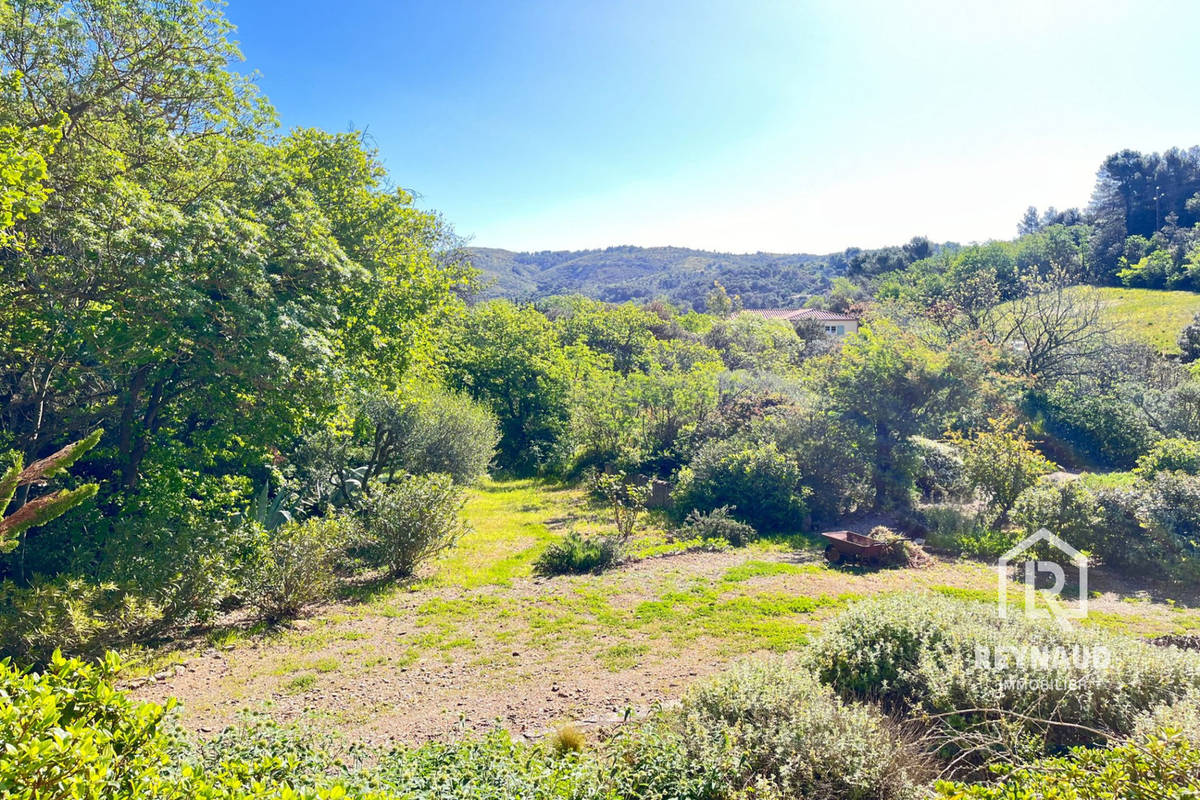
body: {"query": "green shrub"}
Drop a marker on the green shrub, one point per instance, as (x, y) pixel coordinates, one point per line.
(953, 530)
(832, 456)
(946, 524)
(762, 483)
(1120, 538)
(1101, 426)
(576, 554)
(939, 656)
(449, 433)
(1170, 507)
(764, 729)
(1163, 765)
(939, 469)
(1170, 455)
(1178, 409)
(1065, 508)
(184, 553)
(1149, 528)
(294, 566)
(717, 524)
(410, 521)
(70, 614)
(1182, 714)
(626, 500)
(1000, 463)
(68, 734)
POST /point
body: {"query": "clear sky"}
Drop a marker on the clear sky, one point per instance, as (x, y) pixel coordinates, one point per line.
(735, 125)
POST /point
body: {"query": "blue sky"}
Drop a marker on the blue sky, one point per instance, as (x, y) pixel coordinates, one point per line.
(734, 125)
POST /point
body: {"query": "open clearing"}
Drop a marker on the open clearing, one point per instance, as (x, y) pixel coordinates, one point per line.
(1150, 316)
(480, 641)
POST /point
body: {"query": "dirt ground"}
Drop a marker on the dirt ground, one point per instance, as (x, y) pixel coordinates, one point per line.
(376, 673)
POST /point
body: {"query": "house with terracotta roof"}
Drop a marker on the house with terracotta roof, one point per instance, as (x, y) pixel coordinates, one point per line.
(833, 323)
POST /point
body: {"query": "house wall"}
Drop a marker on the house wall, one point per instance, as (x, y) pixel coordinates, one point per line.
(840, 329)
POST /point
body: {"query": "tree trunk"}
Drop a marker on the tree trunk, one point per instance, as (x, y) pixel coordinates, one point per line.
(886, 494)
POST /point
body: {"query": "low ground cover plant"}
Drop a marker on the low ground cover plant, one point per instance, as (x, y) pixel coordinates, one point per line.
(717, 524)
(767, 728)
(1024, 684)
(764, 730)
(579, 553)
(1160, 765)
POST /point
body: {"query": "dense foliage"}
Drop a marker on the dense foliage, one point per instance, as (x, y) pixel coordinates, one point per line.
(293, 566)
(763, 480)
(577, 554)
(200, 286)
(410, 520)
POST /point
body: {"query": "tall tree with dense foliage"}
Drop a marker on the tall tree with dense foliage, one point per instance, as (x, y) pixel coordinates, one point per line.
(196, 285)
(510, 358)
(894, 386)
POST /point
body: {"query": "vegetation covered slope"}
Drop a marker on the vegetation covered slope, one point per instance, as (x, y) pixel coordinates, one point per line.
(1152, 316)
(684, 276)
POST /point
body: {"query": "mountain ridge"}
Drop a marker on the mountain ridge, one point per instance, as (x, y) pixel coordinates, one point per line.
(626, 272)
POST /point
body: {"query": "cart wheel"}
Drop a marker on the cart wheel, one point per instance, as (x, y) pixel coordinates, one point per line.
(832, 555)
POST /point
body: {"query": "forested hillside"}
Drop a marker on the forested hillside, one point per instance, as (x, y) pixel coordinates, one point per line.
(617, 274)
(1139, 230)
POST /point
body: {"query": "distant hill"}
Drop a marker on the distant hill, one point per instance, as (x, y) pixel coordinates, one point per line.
(678, 274)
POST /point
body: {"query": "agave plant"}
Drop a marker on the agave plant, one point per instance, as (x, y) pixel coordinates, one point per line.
(346, 485)
(271, 512)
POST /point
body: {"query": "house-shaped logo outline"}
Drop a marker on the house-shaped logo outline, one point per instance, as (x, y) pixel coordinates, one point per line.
(1059, 613)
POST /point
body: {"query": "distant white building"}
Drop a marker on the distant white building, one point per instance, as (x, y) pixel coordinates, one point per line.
(833, 323)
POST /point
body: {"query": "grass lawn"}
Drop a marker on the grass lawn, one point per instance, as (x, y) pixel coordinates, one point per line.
(1150, 316)
(479, 640)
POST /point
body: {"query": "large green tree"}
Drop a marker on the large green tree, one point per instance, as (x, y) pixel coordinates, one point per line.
(195, 284)
(23, 152)
(510, 358)
(893, 386)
